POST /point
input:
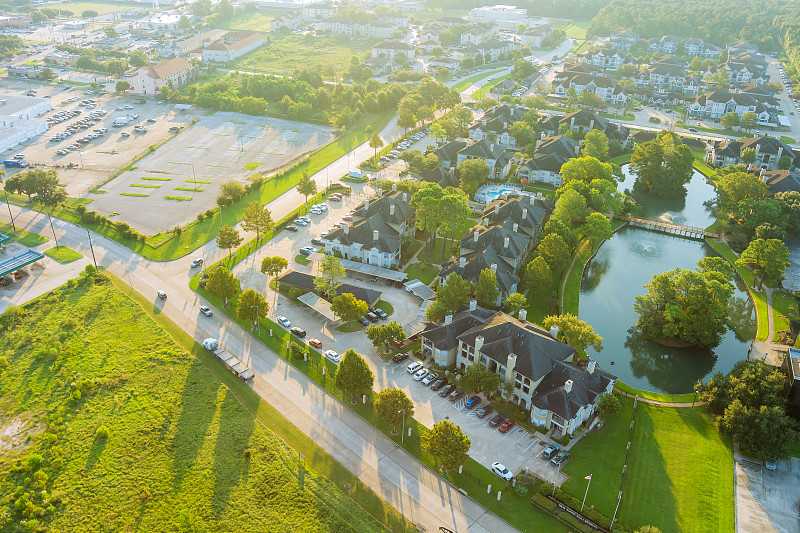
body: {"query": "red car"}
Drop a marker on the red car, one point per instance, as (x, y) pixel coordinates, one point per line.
(316, 343)
(333, 198)
(505, 426)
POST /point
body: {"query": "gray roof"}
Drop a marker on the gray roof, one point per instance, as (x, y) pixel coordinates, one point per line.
(363, 233)
(494, 238)
(445, 337)
(440, 175)
(478, 261)
(381, 207)
(524, 210)
(449, 151)
(305, 281)
(586, 387)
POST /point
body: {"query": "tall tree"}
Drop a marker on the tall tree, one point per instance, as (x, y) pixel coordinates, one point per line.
(447, 443)
(257, 219)
(597, 228)
(575, 331)
(272, 266)
(663, 166)
(375, 142)
(538, 276)
(486, 290)
(453, 215)
(586, 169)
(383, 335)
(252, 306)
(733, 187)
(554, 225)
(354, 375)
(392, 405)
(478, 378)
(228, 238)
(454, 292)
(330, 271)
(472, 173)
(749, 156)
(570, 208)
(595, 144)
(307, 187)
(515, 302)
(770, 257)
(348, 307)
(426, 204)
(555, 252)
(749, 121)
(730, 120)
(221, 282)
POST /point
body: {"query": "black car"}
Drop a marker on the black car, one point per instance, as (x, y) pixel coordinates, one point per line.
(497, 420)
(456, 395)
(446, 390)
(400, 357)
(291, 228)
(318, 242)
(379, 313)
(438, 384)
(298, 332)
(484, 412)
(372, 317)
(363, 321)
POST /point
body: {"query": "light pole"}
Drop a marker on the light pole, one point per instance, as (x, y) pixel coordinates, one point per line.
(91, 247)
(258, 322)
(9, 213)
(403, 434)
(589, 477)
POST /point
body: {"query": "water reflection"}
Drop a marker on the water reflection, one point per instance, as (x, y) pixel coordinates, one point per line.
(740, 318)
(594, 274)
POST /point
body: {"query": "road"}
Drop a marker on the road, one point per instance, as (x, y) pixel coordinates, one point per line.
(397, 477)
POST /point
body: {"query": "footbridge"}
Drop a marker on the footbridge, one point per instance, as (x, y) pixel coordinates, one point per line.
(671, 228)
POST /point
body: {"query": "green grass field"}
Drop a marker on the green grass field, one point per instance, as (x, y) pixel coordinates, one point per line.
(62, 254)
(572, 289)
(22, 236)
(577, 29)
(483, 92)
(673, 398)
(680, 472)
(187, 454)
(258, 21)
(784, 308)
(465, 83)
(102, 8)
(320, 54)
(422, 272)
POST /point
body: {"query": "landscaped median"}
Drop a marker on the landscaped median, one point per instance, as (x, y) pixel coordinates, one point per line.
(22, 236)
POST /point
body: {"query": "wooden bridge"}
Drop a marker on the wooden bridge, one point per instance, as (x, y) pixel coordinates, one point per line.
(671, 228)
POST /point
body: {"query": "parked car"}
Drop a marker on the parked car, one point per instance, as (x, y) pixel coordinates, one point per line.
(413, 367)
(421, 373)
(197, 262)
(316, 343)
(400, 357)
(550, 451)
(381, 314)
(283, 321)
(298, 332)
(446, 390)
(473, 402)
(502, 471)
(430, 378)
(291, 228)
(333, 356)
(505, 426)
(363, 321)
(161, 294)
(318, 242)
(484, 412)
(560, 458)
(372, 317)
(307, 250)
(456, 395)
(206, 311)
(438, 384)
(497, 420)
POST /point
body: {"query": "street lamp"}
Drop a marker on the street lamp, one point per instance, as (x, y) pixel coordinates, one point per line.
(403, 433)
(258, 322)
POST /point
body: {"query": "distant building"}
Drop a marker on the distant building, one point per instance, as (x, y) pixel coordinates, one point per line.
(232, 46)
(162, 22)
(19, 120)
(392, 49)
(149, 80)
(497, 12)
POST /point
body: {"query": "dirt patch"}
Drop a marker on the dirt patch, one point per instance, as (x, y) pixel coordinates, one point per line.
(14, 433)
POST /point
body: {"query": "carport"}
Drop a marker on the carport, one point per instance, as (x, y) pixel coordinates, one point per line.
(318, 304)
(19, 261)
(420, 289)
(370, 271)
(4, 238)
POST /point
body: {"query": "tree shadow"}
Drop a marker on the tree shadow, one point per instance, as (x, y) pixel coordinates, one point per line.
(231, 451)
(741, 319)
(98, 446)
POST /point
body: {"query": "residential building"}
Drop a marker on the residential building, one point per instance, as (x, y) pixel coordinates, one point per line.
(479, 33)
(583, 121)
(232, 46)
(448, 152)
(496, 13)
(550, 154)
(714, 104)
(495, 155)
(320, 10)
(623, 40)
(445, 178)
(518, 212)
(149, 80)
(606, 59)
(668, 44)
(603, 87)
(533, 37)
(769, 152)
(393, 49)
(287, 22)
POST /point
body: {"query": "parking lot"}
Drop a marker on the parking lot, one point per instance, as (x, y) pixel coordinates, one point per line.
(767, 500)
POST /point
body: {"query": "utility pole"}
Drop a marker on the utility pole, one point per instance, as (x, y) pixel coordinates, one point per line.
(91, 247)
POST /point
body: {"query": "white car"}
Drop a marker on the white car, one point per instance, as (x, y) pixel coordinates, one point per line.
(210, 344)
(333, 356)
(421, 373)
(502, 471)
(413, 367)
(283, 321)
(300, 222)
(128, 107)
(206, 311)
(430, 378)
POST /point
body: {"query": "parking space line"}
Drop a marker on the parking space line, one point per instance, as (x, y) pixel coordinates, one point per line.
(524, 434)
(535, 441)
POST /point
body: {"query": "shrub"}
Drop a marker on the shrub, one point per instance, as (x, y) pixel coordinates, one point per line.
(209, 213)
(177, 230)
(655, 120)
(34, 461)
(543, 501)
(201, 217)
(80, 209)
(101, 433)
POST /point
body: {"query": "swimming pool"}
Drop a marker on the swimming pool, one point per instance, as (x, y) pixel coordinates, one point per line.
(489, 193)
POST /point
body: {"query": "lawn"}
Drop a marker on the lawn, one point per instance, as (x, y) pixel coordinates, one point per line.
(784, 308)
(190, 453)
(24, 237)
(102, 8)
(423, 272)
(674, 398)
(680, 472)
(258, 21)
(303, 260)
(434, 255)
(328, 56)
(385, 306)
(62, 254)
(572, 289)
(466, 83)
(577, 29)
(787, 140)
(483, 92)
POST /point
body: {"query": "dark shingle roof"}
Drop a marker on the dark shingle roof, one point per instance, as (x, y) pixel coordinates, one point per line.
(305, 281)
(586, 387)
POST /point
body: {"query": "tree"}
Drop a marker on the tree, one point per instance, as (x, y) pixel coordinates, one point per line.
(595, 144)
(330, 270)
(348, 308)
(684, 306)
(385, 334)
(556, 226)
(733, 187)
(749, 156)
(392, 405)
(252, 306)
(89, 14)
(472, 172)
(719, 79)
(453, 293)
(730, 120)
(221, 282)
(272, 266)
(122, 86)
(478, 378)
(538, 276)
(663, 166)
(406, 119)
(586, 169)
(437, 132)
(426, 204)
(447, 443)
(514, 302)
(749, 121)
(597, 228)
(453, 215)
(307, 187)
(257, 219)
(110, 32)
(375, 142)
(228, 238)
(555, 252)
(575, 331)
(486, 290)
(785, 163)
(354, 375)
(608, 404)
(522, 69)
(753, 213)
(570, 208)
(770, 257)
(230, 192)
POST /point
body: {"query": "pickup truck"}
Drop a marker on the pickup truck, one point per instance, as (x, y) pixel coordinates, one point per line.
(15, 163)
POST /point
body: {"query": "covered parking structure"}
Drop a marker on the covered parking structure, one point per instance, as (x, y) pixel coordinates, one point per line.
(320, 305)
(4, 238)
(305, 282)
(28, 257)
(418, 288)
(365, 270)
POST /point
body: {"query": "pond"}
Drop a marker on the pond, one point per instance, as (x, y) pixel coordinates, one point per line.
(615, 277)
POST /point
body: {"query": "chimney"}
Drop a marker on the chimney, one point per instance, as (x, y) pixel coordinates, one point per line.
(485, 221)
(572, 123)
(510, 364)
(462, 262)
(448, 319)
(376, 235)
(554, 331)
(497, 208)
(473, 304)
(478, 344)
(515, 227)
(493, 268)
(591, 125)
(475, 235)
(391, 210)
(346, 229)
(366, 204)
(505, 242)
(590, 367)
(568, 386)
(523, 315)
(524, 213)
(394, 187)
(405, 197)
